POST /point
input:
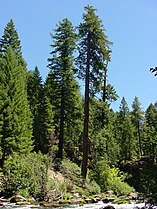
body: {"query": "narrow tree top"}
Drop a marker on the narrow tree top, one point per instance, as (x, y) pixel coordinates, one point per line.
(10, 38)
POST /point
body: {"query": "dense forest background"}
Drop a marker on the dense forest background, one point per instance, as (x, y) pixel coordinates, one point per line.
(42, 123)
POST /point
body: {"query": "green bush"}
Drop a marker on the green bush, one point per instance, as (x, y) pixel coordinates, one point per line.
(71, 171)
(110, 179)
(115, 182)
(92, 187)
(26, 175)
(58, 187)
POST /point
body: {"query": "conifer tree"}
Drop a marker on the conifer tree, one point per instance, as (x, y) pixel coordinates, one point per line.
(137, 120)
(150, 132)
(93, 54)
(15, 118)
(124, 132)
(10, 38)
(103, 144)
(61, 86)
(41, 110)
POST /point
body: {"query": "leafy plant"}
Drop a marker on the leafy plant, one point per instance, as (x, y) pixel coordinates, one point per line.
(26, 175)
(110, 179)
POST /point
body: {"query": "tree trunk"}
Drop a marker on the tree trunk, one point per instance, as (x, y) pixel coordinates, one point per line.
(86, 116)
(104, 97)
(139, 139)
(61, 135)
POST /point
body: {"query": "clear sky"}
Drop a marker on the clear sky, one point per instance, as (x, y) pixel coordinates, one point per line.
(130, 24)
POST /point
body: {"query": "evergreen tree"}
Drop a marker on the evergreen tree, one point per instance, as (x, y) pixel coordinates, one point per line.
(61, 86)
(137, 120)
(150, 132)
(35, 98)
(94, 51)
(10, 38)
(46, 138)
(103, 144)
(124, 132)
(15, 118)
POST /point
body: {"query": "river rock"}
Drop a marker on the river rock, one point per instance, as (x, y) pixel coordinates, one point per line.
(31, 200)
(108, 199)
(110, 193)
(77, 201)
(17, 198)
(88, 200)
(95, 200)
(107, 207)
(34, 206)
(3, 200)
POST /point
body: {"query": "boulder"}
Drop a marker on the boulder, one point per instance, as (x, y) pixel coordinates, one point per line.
(17, 198)
(31, 200)
(3, 200)
(108, 199)
(108, 207)
(88, 200)
(34, 206)
(95, 200)
(77, 201)
(110, 193)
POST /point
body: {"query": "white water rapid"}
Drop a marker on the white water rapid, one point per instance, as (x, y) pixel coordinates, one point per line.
(98, 205)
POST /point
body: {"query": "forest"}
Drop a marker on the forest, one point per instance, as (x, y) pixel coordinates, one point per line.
(53, 125)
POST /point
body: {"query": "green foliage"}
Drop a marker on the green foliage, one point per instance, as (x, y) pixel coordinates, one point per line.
(95, 43)
(92, 187)
(110, 179)
(63, 90)
(125, 132)
(71, 171)
(148, 182)
(15, 120)
(56, 109)
(10, 38)
(116, 182)
(94, 54)
(42, 114)
(25, 174)
(111, 94)
(59, 187)
(137, 117)
(150, 132)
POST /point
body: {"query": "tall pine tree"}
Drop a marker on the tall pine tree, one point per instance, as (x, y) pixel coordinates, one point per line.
(61, 85)
(41, 110)
(150, 132)
(10, 38)
(15, 113)
(93, 54)
(124, 132)
(137, 120)
(15, 118)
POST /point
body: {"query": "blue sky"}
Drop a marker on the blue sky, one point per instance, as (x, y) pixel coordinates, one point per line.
(130, 24)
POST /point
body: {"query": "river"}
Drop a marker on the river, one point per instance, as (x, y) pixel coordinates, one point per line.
(86, 206)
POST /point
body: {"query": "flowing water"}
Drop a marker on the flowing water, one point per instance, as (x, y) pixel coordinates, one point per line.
(86, 206)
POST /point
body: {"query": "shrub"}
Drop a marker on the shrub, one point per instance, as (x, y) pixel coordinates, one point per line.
(92, 187)
(71, 171)
(110, 179)
(26, 175)
(58, 187)
(116, 182)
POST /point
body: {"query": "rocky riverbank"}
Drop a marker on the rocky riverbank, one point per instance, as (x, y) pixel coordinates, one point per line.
(95, 202)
